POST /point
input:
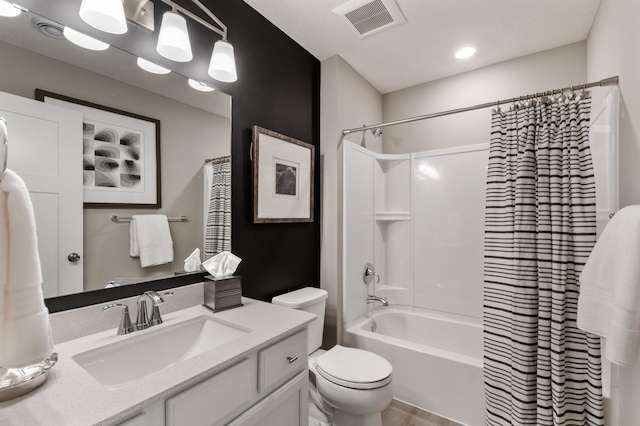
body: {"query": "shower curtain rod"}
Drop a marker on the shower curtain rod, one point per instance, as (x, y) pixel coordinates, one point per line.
(611, 81)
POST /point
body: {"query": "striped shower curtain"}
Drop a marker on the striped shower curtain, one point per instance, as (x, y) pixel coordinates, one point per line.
(540, 226)
(218, 216)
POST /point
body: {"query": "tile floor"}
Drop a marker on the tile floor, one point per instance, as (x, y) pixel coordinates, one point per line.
(401, 414)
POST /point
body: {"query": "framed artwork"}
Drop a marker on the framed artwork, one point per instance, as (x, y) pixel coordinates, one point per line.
(120, 154)
(283, 173)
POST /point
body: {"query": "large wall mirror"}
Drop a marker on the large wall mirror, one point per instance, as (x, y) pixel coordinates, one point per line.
(194, 127)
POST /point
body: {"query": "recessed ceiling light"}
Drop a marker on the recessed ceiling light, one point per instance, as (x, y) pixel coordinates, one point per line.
(8, 9)
(200, 86)
(82, 40)
(151, 67)
(466, 52)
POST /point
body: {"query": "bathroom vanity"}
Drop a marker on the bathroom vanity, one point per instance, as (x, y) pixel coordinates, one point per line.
(246, 366)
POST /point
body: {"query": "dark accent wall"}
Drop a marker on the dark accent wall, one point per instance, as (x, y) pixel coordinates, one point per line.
(278, 88)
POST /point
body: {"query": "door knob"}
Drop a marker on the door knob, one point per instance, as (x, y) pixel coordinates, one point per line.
(73, 257)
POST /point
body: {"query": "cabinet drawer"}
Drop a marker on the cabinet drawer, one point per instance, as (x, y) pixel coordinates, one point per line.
(214, 400)
(281, 361)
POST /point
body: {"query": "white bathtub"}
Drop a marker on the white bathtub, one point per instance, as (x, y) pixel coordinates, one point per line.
(436, 358)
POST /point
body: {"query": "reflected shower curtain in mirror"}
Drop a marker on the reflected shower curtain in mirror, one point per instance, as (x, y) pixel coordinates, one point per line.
(540, 226)
(217, 236)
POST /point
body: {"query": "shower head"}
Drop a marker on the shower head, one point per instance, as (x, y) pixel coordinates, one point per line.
(377, 133)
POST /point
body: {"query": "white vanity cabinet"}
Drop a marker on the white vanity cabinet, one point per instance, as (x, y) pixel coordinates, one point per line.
(268, 387)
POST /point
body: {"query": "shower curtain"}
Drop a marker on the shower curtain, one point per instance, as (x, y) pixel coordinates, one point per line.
(218, 217)
(540, 226)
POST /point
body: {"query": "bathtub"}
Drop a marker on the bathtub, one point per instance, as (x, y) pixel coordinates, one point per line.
(436, 358)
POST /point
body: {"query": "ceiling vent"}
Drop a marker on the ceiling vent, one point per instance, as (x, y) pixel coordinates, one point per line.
(49, 28)
(371, 17)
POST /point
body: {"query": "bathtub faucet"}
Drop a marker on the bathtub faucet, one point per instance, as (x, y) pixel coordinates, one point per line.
(374, 299)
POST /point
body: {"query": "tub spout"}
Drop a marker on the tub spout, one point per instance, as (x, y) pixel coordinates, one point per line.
(374, 299)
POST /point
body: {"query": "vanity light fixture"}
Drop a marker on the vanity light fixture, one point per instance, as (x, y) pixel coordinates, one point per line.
(223, 64)
(466, 52)
(104, 15)
(200, 86)
(83, 40)
(173, 40)
(151, 67)
(9, 10)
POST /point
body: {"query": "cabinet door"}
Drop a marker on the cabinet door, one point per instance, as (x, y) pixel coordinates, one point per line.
(214, 400)
(286, 406)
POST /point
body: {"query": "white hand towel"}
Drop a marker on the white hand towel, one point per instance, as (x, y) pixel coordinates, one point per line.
(25, 333)
(151, 239)
(609, 301)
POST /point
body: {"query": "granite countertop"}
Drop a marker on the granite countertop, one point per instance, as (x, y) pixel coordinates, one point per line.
(73, 397)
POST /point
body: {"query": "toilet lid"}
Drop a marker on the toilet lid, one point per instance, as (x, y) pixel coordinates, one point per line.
(354, 368)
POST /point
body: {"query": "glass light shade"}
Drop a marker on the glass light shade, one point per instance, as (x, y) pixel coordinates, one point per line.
(104, 15)
(200, 86)
(223, 62)
(151, 67)
(7, 9)
(466, 52)
(173, 40)
(82, 40)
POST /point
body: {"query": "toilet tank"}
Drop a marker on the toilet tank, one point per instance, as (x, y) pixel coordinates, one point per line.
(309, 299)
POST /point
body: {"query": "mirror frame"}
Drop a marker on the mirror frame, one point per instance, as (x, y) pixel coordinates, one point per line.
(93, 297)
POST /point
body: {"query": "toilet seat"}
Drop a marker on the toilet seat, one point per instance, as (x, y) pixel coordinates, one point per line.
(354, 368)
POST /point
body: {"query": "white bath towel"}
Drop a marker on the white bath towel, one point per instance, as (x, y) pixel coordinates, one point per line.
(25, 333)
(609, 301)
(151, 239)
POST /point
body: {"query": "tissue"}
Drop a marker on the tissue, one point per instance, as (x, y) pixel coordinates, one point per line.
(192, 263)
(222, 265)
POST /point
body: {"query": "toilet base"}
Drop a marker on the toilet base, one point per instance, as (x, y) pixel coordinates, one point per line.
(342, 418)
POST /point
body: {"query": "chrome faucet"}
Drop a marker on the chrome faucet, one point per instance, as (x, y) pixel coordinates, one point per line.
(143, 321)
(374, 299)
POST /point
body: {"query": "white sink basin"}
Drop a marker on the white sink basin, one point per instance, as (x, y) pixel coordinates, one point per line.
(151, 351)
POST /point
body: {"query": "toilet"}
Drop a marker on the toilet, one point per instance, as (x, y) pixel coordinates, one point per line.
(348, 386)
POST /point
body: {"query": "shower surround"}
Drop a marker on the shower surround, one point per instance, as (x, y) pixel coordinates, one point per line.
(419, 218)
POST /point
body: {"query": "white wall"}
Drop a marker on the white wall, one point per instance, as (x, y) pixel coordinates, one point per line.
(612, 49)
(347, 101)
(551, 69)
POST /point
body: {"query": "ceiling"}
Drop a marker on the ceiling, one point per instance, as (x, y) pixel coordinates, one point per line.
(422, 49)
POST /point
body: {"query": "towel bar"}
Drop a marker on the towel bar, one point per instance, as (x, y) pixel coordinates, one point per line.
(119, 219)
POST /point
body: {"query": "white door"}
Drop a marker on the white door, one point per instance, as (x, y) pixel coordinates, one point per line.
(45, 149)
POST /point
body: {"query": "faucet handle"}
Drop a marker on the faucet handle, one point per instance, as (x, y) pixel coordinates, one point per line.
(155, 310)
(369, 273)
(125, 321)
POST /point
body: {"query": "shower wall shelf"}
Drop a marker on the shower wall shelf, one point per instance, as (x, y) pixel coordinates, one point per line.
(393, 216)
(392, 228)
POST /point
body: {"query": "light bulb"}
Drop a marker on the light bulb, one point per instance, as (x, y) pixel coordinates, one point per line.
(200, 86)
(223, 64)
(173, 40)
(8, 9)
(83, 40)
(104, 15)
(151, 67)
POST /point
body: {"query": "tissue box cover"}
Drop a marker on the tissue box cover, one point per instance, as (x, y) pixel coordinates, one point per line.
(222, 293)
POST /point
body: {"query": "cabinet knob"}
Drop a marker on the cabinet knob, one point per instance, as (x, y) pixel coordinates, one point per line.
(292, 359)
